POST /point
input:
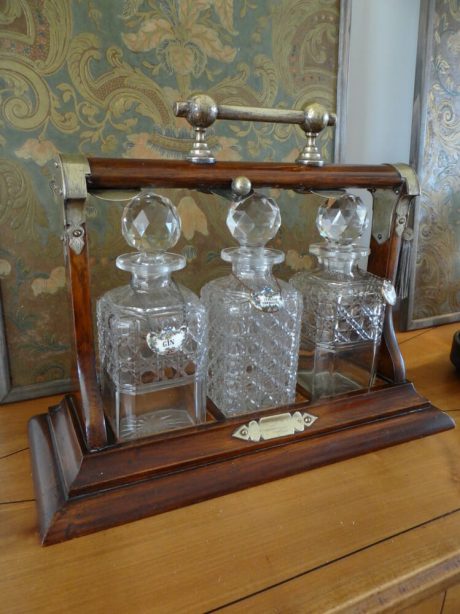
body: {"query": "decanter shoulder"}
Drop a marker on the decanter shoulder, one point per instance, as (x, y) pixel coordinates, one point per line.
(190, 297)
(219, 285)
(358, 278)
(162, 299)
(119, 297)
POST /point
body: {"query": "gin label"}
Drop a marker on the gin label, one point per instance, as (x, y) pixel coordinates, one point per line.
(168, 341)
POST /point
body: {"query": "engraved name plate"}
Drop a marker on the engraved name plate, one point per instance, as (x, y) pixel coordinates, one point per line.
(271, 427)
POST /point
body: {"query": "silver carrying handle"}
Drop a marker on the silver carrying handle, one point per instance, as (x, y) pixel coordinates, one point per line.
(201, 111)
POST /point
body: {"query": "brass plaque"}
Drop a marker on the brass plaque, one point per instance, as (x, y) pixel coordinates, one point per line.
(272, 427)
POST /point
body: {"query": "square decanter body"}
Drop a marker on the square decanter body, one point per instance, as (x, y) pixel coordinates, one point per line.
(341, 330)
(252, 360)
(148, 385)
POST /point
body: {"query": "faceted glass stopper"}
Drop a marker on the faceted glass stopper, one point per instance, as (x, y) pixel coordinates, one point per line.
(150, 222)
(254, 220)
(342, 220)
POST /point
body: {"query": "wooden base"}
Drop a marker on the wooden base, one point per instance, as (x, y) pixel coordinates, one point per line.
(79, 492)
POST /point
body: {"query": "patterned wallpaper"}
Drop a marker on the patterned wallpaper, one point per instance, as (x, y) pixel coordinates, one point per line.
(99, 77)
(437, 276)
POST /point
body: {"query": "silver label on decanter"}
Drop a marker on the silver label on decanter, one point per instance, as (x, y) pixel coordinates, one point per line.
(267, 300)
(389, 292)
(168, 341)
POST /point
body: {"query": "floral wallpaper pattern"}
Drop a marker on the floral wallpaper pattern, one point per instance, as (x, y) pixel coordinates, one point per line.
(99, 77)
(437, 287)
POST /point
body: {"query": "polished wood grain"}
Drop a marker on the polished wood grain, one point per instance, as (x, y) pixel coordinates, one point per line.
(214, 441)
(110, 173)
(13, 436)
(451, 604)
(15, 478)
(343, 524)
(431, 605)
(89, 406)
(374, 579)
(80, 492)
(427, 355)
(267, 535)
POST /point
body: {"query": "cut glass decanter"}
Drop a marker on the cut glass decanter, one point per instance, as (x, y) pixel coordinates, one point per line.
(344, 306)
(254, 318)
(152, 333)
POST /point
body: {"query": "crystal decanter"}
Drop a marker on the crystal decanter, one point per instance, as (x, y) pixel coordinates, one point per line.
(152, 333)
(344, 306)
(254, 318)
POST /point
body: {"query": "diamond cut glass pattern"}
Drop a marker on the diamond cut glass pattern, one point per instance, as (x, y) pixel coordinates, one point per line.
(252, 362)
(151, 223)
(141, 223)
(254, 220)
(342, 220)
(254, 318)
(152, 333)
(344, 307)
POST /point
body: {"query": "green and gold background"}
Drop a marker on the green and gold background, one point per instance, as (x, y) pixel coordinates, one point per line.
(99, 77)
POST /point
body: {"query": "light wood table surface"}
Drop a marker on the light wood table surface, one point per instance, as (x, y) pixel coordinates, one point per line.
(376, 533)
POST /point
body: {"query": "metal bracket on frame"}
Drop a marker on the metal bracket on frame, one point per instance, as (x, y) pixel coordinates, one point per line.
(389, 203)
(69, 186)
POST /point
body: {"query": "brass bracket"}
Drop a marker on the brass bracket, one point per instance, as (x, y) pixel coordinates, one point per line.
(272, 427)
(394, 203)
(411, 190)
(201, 111)
(69, 187)
(409, 176)
(384, 206)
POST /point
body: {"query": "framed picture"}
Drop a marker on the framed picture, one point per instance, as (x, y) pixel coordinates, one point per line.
(434, 289)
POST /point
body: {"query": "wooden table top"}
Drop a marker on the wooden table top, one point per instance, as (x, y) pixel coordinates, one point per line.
(375, 533)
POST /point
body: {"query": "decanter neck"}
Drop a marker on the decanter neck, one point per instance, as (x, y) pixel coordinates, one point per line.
(344, 267)
(247, 272)
(150, 283)
(250, 262)
(149, 268)
(338, 258)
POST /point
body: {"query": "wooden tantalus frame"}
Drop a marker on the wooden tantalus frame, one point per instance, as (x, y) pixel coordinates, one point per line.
(85, 482)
